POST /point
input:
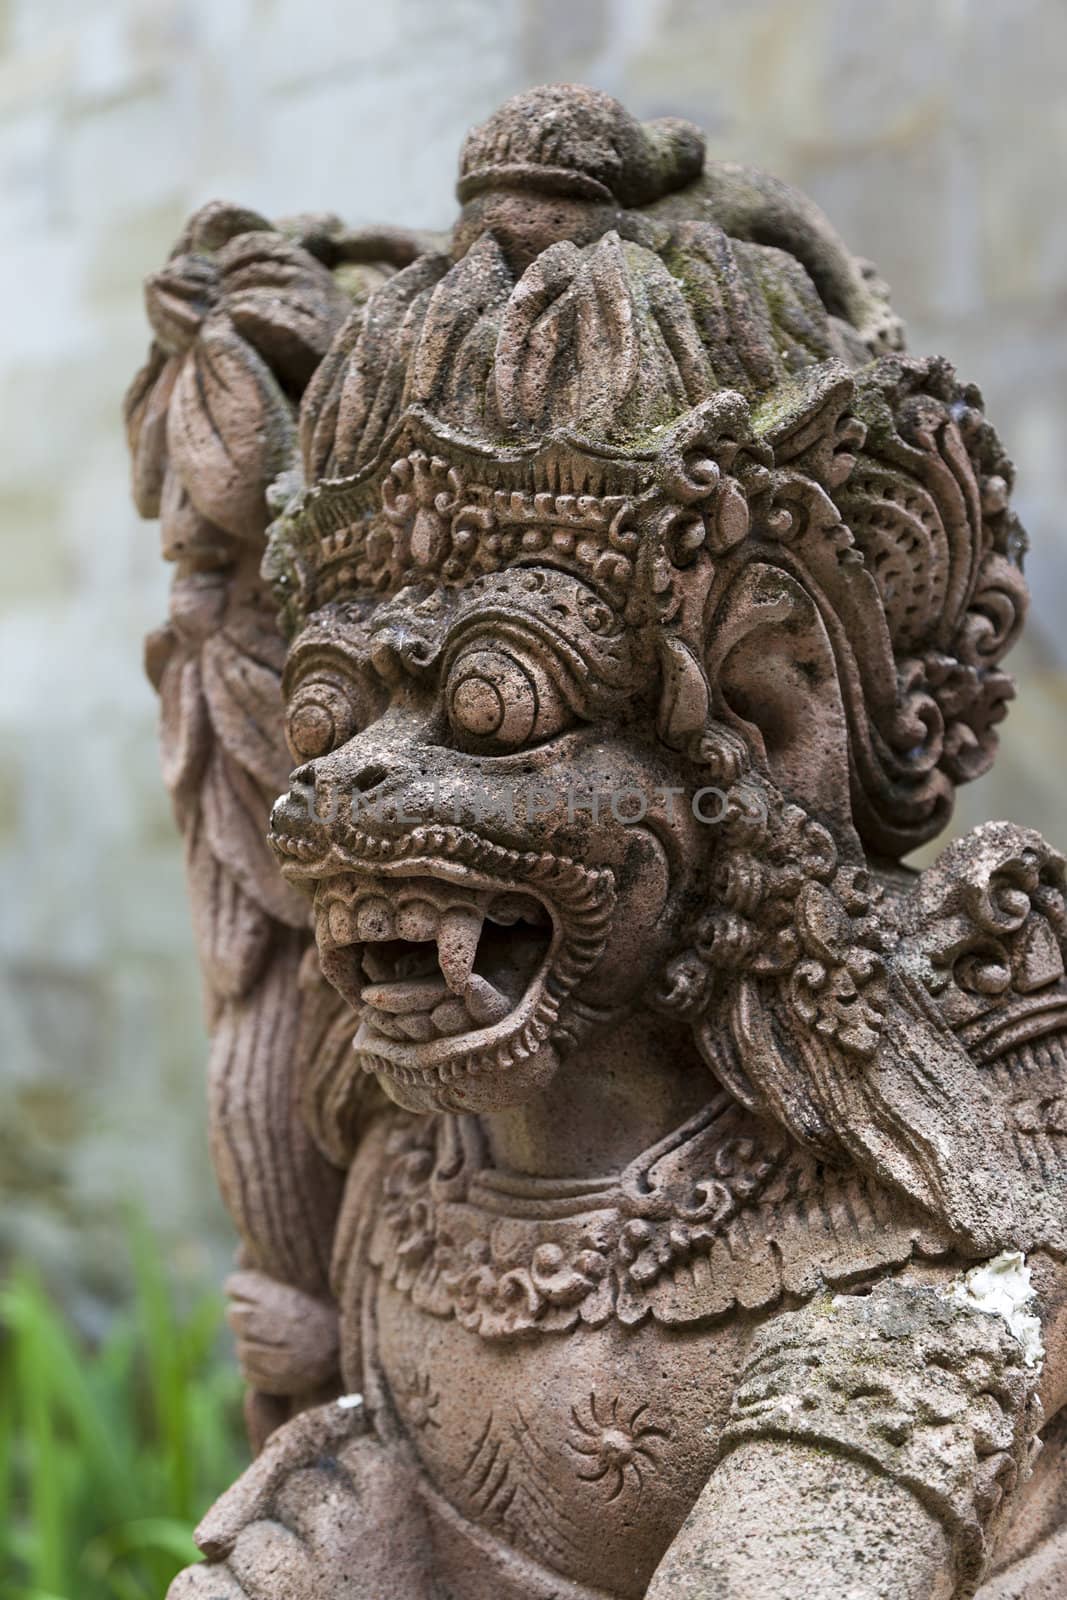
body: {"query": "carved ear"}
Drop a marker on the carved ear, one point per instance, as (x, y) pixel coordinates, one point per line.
(773, 666)
(685, 699)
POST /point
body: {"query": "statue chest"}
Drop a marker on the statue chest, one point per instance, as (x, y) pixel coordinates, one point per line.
(561, 1355)
(586, 1450)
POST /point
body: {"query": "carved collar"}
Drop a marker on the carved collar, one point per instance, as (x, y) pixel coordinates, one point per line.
(722, 1213)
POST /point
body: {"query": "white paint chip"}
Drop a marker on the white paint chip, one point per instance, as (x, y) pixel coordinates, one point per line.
(350, 1402)
(1002, 1287)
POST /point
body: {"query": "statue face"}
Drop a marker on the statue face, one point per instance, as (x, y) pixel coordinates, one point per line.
(501, 852)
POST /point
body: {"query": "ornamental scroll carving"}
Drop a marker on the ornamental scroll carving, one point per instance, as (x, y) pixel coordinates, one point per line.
(577, 620)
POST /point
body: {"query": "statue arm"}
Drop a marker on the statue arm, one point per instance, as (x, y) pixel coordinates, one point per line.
(874, 1444)
(779, 1519)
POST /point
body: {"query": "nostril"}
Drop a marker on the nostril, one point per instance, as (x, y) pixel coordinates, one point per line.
(369, 777)
(303, 776)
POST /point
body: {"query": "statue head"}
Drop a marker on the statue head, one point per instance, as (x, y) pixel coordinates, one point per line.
(642, 594)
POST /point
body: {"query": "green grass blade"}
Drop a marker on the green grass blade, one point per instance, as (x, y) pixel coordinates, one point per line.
(166, 1371)
(108, 1455)
(160, 1535)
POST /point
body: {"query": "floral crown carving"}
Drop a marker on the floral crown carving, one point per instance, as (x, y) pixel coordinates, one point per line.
(439, 507)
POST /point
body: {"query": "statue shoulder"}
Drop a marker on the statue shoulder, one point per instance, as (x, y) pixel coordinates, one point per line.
(982, 948)
(983, 934)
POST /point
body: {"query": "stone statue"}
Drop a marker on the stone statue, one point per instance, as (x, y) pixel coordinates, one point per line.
(647, 1184)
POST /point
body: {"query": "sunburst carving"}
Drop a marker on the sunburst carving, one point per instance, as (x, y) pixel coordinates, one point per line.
(618, 1449)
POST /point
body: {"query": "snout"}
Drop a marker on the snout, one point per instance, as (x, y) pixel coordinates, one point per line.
(375, 782)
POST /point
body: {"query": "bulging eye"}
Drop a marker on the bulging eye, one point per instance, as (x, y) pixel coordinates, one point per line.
(495, 697)
(320, 717)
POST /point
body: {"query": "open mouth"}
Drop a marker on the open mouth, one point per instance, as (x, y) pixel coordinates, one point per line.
(446, 977)
(460, 958)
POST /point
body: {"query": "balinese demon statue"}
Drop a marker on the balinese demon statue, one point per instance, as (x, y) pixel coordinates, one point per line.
(647, 1184)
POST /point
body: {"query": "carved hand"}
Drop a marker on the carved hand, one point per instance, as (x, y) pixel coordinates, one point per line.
(320, 1504)
(287, 1341)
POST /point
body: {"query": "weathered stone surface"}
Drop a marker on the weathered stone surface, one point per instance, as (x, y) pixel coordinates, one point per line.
(630, 1154)
(245, 90)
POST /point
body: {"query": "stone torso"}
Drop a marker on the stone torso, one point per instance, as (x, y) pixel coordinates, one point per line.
(560, 1356)
(586, 1452)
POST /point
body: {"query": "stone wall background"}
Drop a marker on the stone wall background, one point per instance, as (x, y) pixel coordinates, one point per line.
(934, 132)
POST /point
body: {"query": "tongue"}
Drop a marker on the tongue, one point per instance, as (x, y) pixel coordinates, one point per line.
(457, 945)
(416, 994)
(485, 1003)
